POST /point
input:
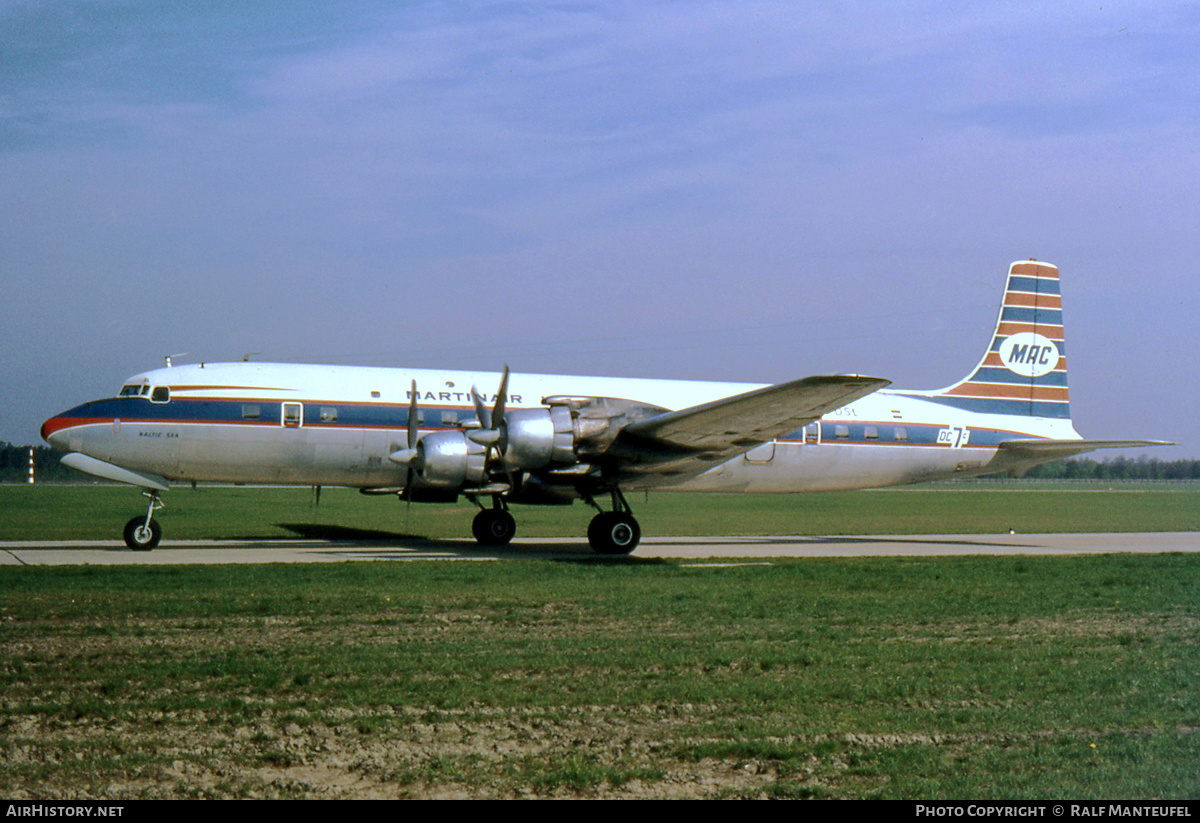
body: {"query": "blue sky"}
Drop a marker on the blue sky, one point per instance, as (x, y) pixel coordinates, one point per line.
(746, 191)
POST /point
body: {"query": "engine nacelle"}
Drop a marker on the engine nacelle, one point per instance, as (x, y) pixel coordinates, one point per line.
(532, 439)
(448, 460)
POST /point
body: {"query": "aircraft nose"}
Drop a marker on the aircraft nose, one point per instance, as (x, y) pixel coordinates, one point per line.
(52, 430)
(65, 430)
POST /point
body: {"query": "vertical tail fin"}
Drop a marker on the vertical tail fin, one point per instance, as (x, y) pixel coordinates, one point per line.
(1024, 371)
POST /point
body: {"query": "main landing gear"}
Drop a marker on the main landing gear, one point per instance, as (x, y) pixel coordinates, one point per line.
(616, 531)
(142, 533)
(613, 532)
(494, 526)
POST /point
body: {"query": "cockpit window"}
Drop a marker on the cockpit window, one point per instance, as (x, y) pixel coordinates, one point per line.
(134, 389)
(161, 394)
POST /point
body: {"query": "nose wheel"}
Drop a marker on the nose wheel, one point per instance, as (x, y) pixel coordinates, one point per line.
(143, 533)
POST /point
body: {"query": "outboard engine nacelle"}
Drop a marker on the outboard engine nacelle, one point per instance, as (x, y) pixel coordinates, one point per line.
(448, 460)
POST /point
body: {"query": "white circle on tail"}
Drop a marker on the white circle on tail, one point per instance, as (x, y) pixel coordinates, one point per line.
(1029, 354)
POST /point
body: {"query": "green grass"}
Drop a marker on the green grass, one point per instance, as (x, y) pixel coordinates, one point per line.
(99, 512)
(966, 677)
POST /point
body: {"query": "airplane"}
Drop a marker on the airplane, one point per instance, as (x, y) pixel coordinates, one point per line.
(428, 435)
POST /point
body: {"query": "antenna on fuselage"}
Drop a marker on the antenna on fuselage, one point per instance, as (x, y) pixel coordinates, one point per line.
(168, 357)
(246, 357)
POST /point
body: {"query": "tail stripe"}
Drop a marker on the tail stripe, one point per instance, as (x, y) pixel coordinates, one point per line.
(1006, 329)
(1004, 392)
(1020, 314)
(1033, 285)
(1041, 301)
(991, 375)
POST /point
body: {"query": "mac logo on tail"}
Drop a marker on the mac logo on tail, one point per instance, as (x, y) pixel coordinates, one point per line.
(1029, 354)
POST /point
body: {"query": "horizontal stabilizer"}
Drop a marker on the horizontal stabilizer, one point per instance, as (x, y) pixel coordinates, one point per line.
(90, 465)
(1019, 456)
(1066, 448)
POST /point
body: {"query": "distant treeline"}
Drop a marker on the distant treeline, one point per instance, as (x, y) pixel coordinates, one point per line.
(14, 465)
(14, 468)
(1117, 468)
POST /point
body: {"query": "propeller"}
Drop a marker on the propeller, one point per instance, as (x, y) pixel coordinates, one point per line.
(490, 421)
(490, 435)
(408, 456)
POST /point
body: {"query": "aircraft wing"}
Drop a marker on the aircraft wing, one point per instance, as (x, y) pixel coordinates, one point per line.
(689, 441)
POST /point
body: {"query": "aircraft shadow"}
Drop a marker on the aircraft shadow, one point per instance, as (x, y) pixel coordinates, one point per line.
(380, 540)
(320, 531)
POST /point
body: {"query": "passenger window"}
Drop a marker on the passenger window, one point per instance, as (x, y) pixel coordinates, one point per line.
(901, 433)
(841, 431)
(871, 432)
(251, 411)
(329, 414)
(449, 418)
(293, 415)
(161, 394)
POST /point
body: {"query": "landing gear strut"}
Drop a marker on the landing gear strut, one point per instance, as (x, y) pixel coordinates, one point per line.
(142, 533)
(614, 532)
(494, 526)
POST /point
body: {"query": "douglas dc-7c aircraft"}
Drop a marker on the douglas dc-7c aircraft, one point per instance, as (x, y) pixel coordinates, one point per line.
(428, 436)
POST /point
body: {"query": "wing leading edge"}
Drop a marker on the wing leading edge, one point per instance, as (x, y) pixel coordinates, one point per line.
(684, 443)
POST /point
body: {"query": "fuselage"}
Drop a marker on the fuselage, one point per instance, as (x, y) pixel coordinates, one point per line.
(259, 423)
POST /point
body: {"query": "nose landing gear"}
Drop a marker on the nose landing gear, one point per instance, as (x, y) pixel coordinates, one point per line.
(142, 533)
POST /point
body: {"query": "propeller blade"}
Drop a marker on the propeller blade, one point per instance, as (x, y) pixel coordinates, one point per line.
(407, 456)
(413, 435)
(501, 399)
(481, 411)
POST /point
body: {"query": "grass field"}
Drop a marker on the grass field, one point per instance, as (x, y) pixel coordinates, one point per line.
(929, 678)
(840, 678)
(89, 512)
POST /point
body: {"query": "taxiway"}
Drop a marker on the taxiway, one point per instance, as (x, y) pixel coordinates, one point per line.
(105, 552)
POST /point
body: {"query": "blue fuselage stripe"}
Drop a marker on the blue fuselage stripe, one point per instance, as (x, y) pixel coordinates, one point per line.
(378, 416)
